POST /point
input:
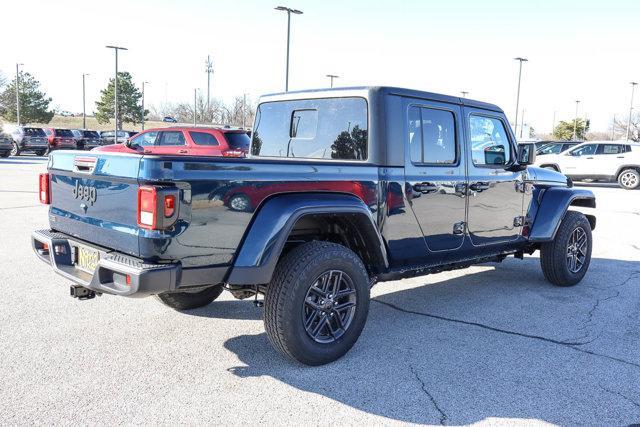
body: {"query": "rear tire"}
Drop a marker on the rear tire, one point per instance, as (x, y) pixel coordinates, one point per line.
(190, 300)
(317, 303)
(15, 150)
(629, 179)
(566, 259)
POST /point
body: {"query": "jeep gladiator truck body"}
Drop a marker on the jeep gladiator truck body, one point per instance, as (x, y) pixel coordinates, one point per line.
(342, 188)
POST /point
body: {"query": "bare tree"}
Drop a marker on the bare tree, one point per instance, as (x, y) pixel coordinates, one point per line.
(620, 128)
(218, 112)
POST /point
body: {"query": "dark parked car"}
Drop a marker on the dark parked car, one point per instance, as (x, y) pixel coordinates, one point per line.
(316, 232)
(60, 139)
(87, 139)
(29, 139)
(107, 137)
(168, 119)
(6, 144)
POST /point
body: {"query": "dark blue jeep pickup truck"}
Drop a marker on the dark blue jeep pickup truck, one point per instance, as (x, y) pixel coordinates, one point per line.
(342, 188)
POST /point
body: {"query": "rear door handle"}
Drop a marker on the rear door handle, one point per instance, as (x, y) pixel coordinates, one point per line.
(425, 187)
(182, 151)
(479, 186)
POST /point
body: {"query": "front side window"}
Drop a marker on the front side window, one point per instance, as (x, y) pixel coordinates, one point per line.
(432, 136)
(146, 139)
(203, 138)
(489, 142)
(326, 128)
(585, 150)
(171, 138)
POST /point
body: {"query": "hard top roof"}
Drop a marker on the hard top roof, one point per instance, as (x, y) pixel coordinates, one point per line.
(388, 90)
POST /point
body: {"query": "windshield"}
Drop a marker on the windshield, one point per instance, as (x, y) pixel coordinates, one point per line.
(238, 140)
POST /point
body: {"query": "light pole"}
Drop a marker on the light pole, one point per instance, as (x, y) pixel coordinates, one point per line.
(84, 109)
(143, 115)
(209, 70)
(18, 92)
(289, 12)
(244, 110)
(633, 88)
(464, 93)
(331, 77)
(195, 94)
(518, 95)
(115, 91)
(575, 122)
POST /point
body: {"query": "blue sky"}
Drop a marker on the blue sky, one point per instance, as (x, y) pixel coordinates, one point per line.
(584, 50)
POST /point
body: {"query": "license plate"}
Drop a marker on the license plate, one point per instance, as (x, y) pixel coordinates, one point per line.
(87, 259)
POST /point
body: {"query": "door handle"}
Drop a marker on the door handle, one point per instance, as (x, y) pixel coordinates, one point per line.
(182, 151)
(620, 157)
(425, 187)
(479, 186)
(589, 158)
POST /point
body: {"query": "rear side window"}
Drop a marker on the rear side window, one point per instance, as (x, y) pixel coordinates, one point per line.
(238, 140)
(432, 136)
(171, 138)
(326, 128)
(203, 138)
(489, 141)
(585, 150)
(611, 149)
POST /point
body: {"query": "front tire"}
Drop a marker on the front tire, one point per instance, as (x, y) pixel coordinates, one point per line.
(187, 300)
(15, 150)
(317, 303)
(629, 179)
(566, 259)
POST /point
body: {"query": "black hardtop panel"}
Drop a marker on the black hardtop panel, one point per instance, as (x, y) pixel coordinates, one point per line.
(390, 90)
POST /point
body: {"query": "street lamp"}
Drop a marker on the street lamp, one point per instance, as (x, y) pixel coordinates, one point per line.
(115, 90)
(209, 70)
(633, 88)
(575, 122)
(143, 115)
(515, 131)
(464, 93)
(84, 109)
(289, 12)
(18, 92)
(331, 77)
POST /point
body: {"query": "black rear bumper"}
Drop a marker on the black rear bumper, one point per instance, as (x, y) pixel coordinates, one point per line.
(117, 273)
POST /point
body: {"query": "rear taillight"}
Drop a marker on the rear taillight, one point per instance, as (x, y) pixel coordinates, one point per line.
(169, 205)
(43, 186)
(147, 207)
(157, 207)
(233, 153)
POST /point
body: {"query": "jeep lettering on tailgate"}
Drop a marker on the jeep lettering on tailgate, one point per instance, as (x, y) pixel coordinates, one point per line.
(85, 192)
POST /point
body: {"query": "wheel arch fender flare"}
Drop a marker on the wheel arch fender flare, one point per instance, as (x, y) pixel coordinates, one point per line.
(625, 167)
(552, 208)
(267, 233)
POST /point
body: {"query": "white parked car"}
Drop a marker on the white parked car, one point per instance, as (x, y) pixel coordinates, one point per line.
(608, 161)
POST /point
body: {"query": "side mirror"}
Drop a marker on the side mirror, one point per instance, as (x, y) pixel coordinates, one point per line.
(526, 154)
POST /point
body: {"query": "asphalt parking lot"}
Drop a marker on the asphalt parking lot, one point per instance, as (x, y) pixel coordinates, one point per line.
(493, 343)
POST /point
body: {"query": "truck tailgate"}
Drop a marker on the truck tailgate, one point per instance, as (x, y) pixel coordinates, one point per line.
(94, 198)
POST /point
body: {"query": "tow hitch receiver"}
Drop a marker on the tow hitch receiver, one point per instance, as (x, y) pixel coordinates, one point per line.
(81, 292)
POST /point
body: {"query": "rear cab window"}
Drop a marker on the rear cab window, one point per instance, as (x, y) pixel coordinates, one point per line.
(324, 128)
(64, 133)
(35, 132)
